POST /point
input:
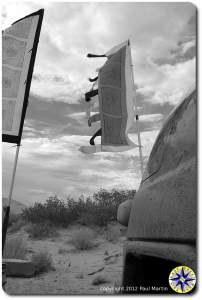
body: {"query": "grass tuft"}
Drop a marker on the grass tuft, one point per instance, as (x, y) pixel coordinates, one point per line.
(42, 262)
(83, 239)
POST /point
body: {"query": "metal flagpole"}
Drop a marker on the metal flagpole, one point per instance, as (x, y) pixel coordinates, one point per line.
(7, 212)
(136, 115)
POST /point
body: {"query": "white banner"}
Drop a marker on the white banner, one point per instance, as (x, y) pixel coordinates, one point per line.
(19, 45)
(116, 102)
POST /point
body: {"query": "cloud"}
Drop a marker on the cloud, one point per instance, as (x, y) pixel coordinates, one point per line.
(168, 83)
(49, 167)
(71, 30)
(48, 118)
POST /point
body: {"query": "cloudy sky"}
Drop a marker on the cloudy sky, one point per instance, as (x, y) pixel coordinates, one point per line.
(163, 50)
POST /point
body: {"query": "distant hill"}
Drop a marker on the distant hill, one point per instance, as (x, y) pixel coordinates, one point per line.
(16, 206)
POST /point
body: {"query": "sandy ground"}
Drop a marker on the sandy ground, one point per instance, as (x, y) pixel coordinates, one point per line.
(72, 267)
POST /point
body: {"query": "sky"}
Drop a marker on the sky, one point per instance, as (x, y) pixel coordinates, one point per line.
(163, 42)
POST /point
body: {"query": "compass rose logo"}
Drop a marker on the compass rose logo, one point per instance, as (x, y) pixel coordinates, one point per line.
(182, 279)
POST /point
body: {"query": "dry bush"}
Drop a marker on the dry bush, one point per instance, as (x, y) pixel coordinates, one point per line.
(98, 210)
(83, 239)
(15, 247)
(54, 211)
(42, 262)
(100, 279)
(41, 230)
(16, 226)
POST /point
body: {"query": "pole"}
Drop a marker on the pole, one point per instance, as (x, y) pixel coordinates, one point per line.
(7, 212)
(138, 134)
(136, 116)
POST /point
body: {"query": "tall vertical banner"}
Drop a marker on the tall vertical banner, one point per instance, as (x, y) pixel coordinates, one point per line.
(19, 47)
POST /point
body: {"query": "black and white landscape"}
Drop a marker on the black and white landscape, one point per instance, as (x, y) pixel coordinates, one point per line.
(58, 220)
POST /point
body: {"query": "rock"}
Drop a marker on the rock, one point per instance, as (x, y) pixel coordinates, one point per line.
(123, 212)
(19, 268)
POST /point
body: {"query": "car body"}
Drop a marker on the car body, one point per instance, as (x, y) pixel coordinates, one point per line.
(162, 218)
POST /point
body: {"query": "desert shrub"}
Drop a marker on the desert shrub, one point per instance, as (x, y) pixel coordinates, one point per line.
(100, 279)
(97, 215)
(102, 208)
(42, 262)
(15, 247)
(16, 226)
(54, 211)
(108, 202)
(99, 210)
(41, 230)
(83, 239)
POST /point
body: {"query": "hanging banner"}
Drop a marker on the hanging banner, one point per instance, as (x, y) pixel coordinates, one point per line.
(19, 47)
(116, 102)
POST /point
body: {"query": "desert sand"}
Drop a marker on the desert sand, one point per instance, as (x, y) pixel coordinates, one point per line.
(75, 269)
